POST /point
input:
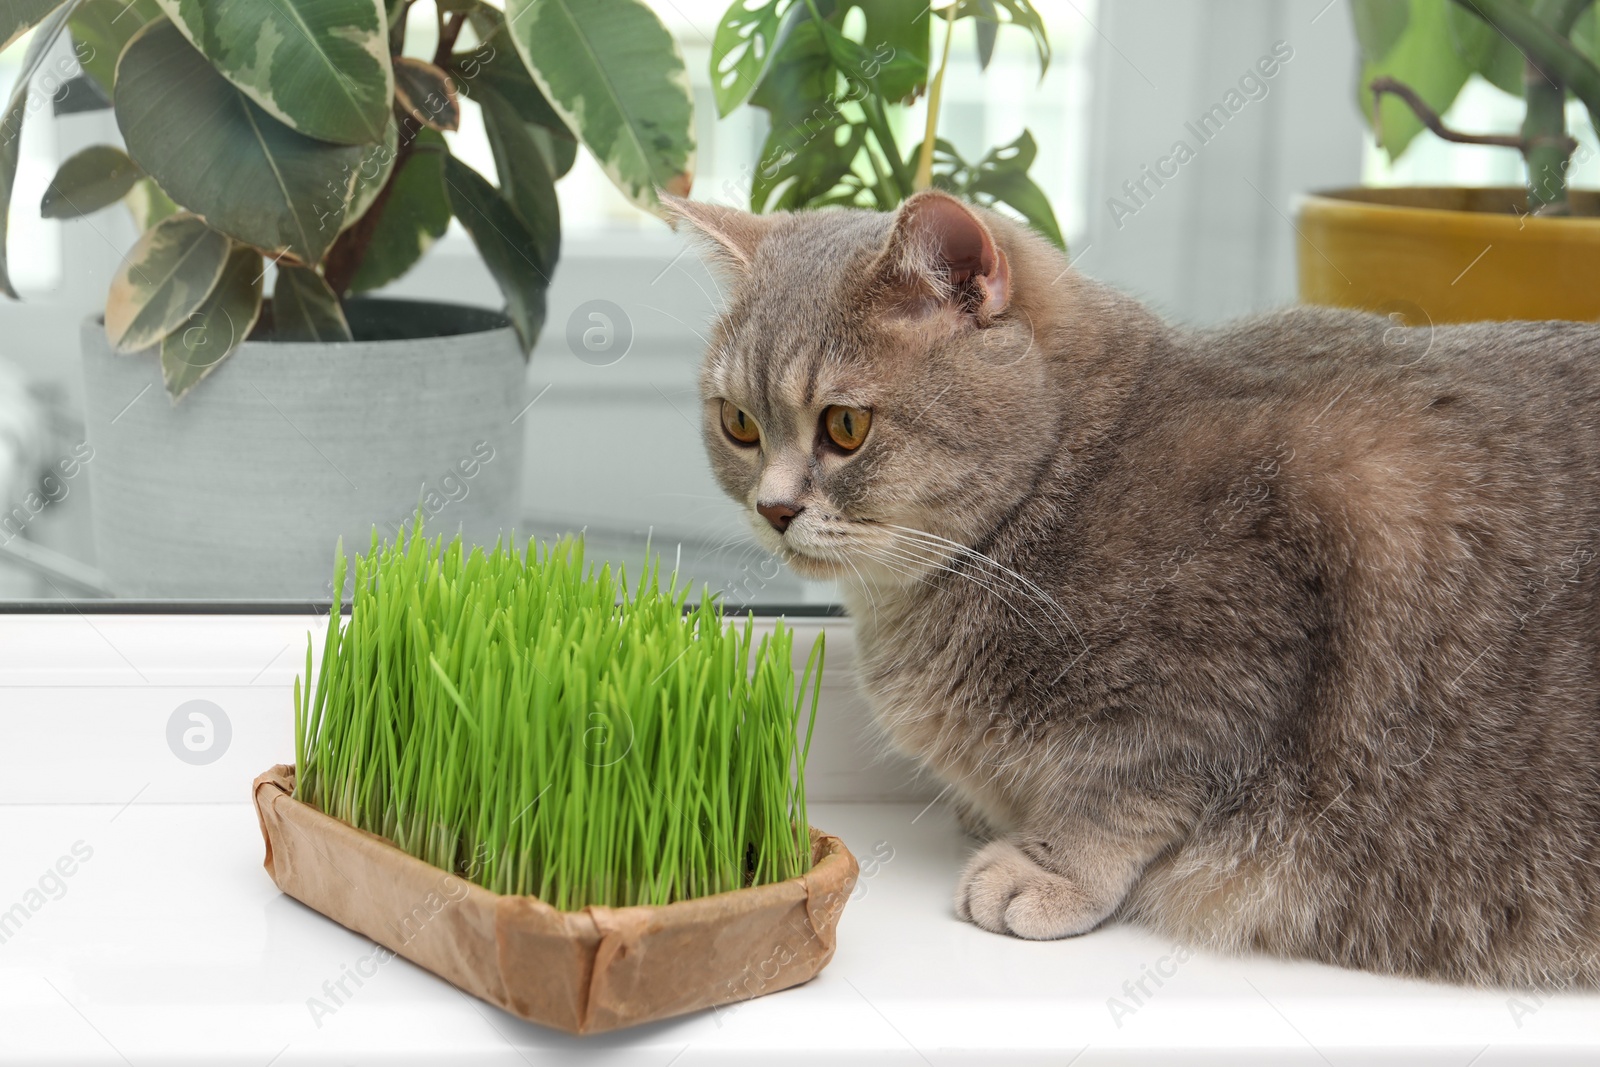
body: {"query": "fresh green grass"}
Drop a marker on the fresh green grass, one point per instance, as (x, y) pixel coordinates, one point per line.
(541, 729)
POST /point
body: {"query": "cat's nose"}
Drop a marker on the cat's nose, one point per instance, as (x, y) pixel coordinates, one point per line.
(780, 515)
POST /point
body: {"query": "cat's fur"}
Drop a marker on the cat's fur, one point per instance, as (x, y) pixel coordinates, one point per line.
(1282, 635)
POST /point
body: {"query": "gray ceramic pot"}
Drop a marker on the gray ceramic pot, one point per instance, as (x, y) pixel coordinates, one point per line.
(242, 489)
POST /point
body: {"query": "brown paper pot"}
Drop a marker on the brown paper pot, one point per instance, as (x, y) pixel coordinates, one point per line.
(580, 971)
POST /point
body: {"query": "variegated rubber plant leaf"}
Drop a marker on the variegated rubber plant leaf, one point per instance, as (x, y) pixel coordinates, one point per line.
(509, 249)
(49, 28)
(19, 16)
(305, 309)
(217, 327)
(213, 150)
(163, 279)
(615, 76)
(94, 178)
(319, 66)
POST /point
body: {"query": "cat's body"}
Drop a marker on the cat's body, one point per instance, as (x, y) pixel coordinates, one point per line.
(1284, 635)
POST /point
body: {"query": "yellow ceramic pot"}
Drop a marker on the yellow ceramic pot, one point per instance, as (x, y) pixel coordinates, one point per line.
(1449, 255)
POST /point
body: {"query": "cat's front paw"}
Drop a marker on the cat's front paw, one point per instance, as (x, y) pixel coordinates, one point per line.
(1004, 891)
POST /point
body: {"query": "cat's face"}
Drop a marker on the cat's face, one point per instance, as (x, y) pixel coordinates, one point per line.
(871, 392)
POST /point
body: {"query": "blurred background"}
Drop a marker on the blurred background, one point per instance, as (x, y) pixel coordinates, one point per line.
(612, 446)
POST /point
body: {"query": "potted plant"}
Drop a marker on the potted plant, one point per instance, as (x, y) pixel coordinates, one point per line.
(1431, 255)
(833, 84)
(572, 798)
(302, 135)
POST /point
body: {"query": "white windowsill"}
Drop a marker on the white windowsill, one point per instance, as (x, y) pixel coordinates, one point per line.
(171, 944)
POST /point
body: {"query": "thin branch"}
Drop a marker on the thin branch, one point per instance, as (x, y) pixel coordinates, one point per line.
(1430, 118)
(449, 30)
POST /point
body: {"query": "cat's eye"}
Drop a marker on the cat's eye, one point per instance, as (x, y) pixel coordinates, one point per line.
(847, 426)
(740, 426)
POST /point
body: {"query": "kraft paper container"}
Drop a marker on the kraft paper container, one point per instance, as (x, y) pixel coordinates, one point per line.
(580, 971)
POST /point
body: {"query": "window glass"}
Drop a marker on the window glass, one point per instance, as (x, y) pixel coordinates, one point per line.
(238, 492)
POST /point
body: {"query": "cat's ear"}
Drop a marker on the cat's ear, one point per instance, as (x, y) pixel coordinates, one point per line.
(943, 251)
(730, 235)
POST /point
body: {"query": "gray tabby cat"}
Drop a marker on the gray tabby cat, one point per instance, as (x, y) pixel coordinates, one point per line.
(1282, 635)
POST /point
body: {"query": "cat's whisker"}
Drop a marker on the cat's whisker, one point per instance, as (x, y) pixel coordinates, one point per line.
(991, 561)
(1052, 608)
(916, 567)
(923, 564)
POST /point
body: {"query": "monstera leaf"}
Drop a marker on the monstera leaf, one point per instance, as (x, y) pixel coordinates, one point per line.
(216, 152)
(319, 66)
(747, 39)
(616, 78)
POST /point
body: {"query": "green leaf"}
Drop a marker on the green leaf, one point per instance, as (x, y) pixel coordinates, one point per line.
(10, 146)
(744, 46)
(801, 77)
(377, 160)
(214, 151)
(1000, 177)
(148, 204)
(1586, 34)
(217, 327)
(801, 167)
(21, 16)
(505, 243)
(527, 179)
(416, 214)
(560, 152)
(1020, 13)
(92, 179)
(1485, 49)
(495, 69)
(164, 278)
(426, 93)
(1379, 25)
(615, 76)
(986, 21)
(1018, 191)
(895, 43)
(1421, 57)
(102, 28)
(305, 309)
(319, 66)
(11, 122)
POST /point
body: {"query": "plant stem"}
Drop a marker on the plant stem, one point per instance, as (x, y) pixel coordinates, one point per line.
(349, 250)
(1554, 66)
(1430, 118)
(1546, 146)
(871, 106)
(924, 178)
(879, 124)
